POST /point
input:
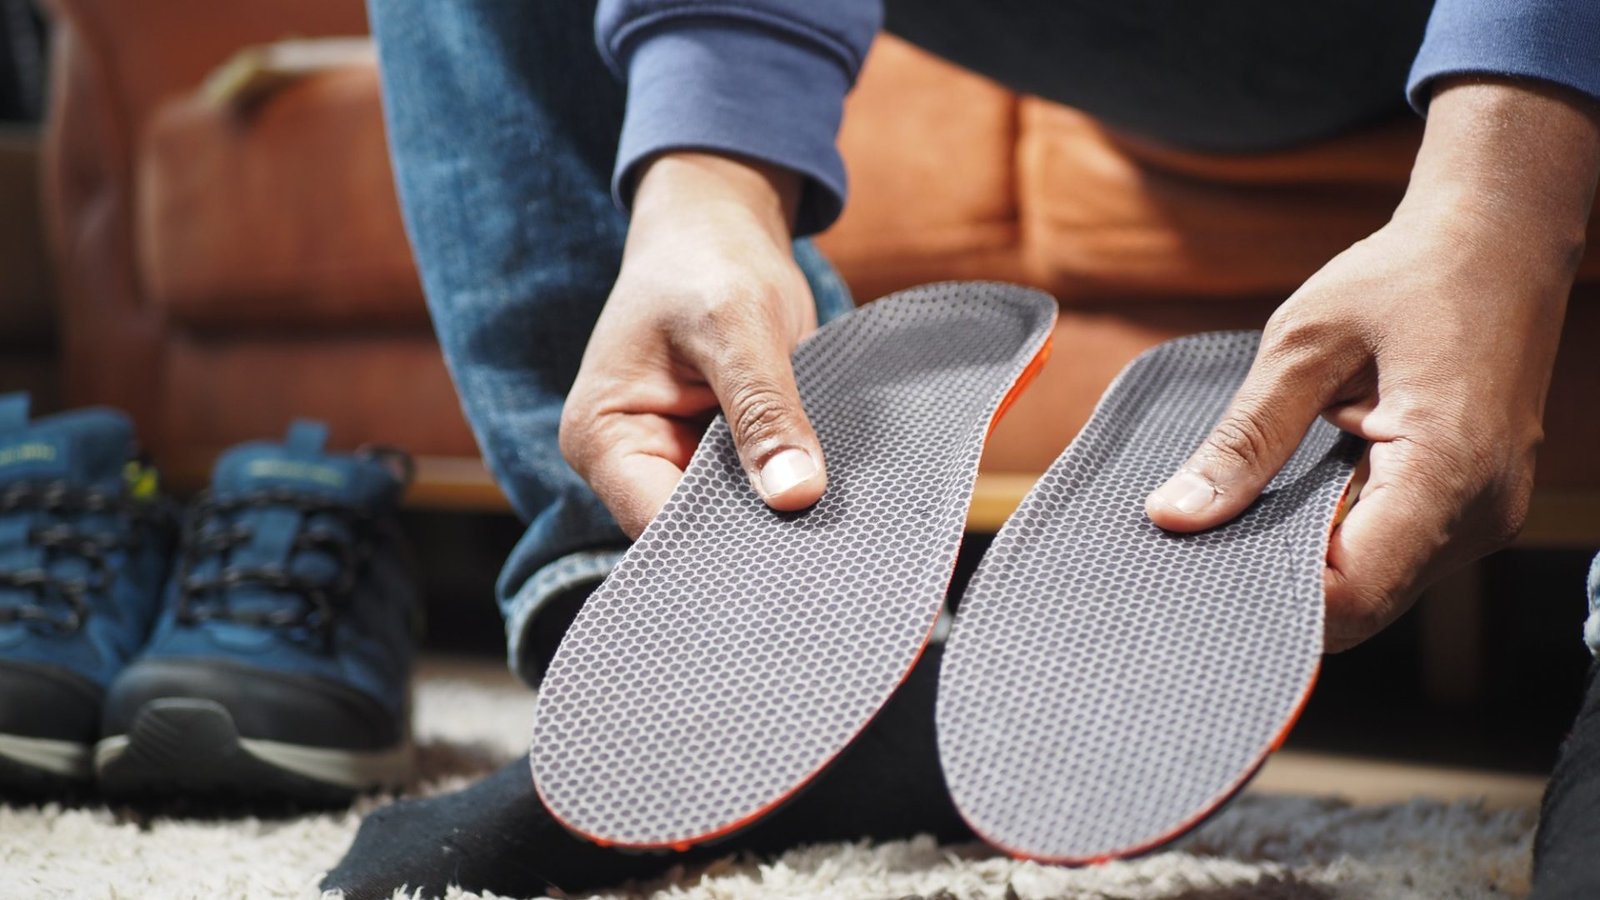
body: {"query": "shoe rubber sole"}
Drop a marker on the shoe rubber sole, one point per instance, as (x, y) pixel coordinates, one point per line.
(191, 746)
(41, 766)
(1109, 685)
(735, 650)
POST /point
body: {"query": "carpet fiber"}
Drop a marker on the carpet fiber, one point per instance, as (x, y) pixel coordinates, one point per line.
(470, 719)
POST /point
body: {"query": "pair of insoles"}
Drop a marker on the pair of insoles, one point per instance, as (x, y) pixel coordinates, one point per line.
(1107, 684)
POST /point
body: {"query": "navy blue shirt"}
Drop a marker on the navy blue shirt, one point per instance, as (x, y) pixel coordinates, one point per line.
(708, 74)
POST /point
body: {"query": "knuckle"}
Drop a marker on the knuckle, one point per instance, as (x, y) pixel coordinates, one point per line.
(1289, 333)
(729, 310)
(718, 327)
(1305, 350)
(1240, 440)
(573, 435)
(757, 412)
(1482, 491)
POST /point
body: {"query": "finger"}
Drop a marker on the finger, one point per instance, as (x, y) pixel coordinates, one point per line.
(637, 464)
(636, 489)
(1383, 552)
(754, 384)
(1283, 394)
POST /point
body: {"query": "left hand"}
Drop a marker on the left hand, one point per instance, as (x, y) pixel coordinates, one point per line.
(1434, 340)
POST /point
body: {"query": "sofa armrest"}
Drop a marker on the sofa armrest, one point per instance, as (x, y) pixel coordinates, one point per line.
(147, 51)
(113, 63)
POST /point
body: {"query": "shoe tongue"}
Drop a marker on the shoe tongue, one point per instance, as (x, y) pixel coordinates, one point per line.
(300, 464)
(86, 446)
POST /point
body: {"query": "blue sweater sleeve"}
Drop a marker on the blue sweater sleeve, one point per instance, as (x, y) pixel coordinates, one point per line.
(765, 79)
(1552, 40)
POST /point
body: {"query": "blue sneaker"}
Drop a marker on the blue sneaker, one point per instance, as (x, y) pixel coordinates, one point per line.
(281, 663)
(85, 544)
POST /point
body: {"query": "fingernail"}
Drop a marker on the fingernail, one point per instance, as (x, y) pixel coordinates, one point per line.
(786, 469)
(1186, 492)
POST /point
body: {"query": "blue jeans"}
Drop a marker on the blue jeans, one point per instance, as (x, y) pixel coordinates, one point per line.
(1591, 628)
(503, 125)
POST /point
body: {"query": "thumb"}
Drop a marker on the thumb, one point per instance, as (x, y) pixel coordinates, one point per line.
(755, 387)
(1258, 433)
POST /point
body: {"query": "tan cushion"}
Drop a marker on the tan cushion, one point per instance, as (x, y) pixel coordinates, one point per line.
(283, 214)
(1105, 216)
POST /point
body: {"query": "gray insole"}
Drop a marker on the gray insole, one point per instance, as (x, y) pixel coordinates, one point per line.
(1109, 684)
(734, 650)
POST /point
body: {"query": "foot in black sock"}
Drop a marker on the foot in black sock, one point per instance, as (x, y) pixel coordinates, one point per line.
(493, 836)
(1565, 861)
(496, 835)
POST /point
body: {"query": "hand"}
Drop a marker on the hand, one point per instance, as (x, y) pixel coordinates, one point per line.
(705, 313)
(1434, 340)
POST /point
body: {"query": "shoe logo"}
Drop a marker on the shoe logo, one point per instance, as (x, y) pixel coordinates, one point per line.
(143, 481)
(29, 452)
(289, 470)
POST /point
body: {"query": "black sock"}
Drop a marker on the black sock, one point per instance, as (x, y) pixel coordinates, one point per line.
(1565, 858)
(496, 835)
(493, 836)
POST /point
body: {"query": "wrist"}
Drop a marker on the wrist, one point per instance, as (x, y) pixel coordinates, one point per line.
(1515, 162)
(685, 184)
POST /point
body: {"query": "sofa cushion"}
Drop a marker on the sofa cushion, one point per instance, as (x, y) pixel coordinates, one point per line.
(1105, 216)
(280, 214)
(224, 388)
(930, 150)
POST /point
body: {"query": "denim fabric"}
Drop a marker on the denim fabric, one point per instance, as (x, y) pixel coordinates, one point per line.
(503, 124)
(1591, 628)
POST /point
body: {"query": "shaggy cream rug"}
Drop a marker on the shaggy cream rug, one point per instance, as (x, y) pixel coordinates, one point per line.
(1264, 847)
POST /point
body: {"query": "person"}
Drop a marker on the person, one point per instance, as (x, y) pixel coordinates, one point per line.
(1565, 865)
(609, 204)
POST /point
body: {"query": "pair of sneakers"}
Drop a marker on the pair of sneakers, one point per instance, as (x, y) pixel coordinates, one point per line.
(257, 643)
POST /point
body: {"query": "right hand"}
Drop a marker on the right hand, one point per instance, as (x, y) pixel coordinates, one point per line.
(705, 313)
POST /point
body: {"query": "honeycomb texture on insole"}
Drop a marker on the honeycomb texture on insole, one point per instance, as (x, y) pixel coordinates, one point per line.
(734, 650)
(1107, 684)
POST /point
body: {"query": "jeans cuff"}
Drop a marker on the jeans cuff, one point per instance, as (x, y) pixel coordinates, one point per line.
(565, 574)
(1591, 628)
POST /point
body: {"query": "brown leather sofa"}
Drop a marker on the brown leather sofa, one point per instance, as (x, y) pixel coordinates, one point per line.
(225, 267)
(29, 359)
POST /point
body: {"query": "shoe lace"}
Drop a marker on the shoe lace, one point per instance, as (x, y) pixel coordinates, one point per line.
(135, 520)
(212, 531)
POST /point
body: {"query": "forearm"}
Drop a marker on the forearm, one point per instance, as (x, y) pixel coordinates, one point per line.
(683, 184)
(1517, 158)
(761, 80)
